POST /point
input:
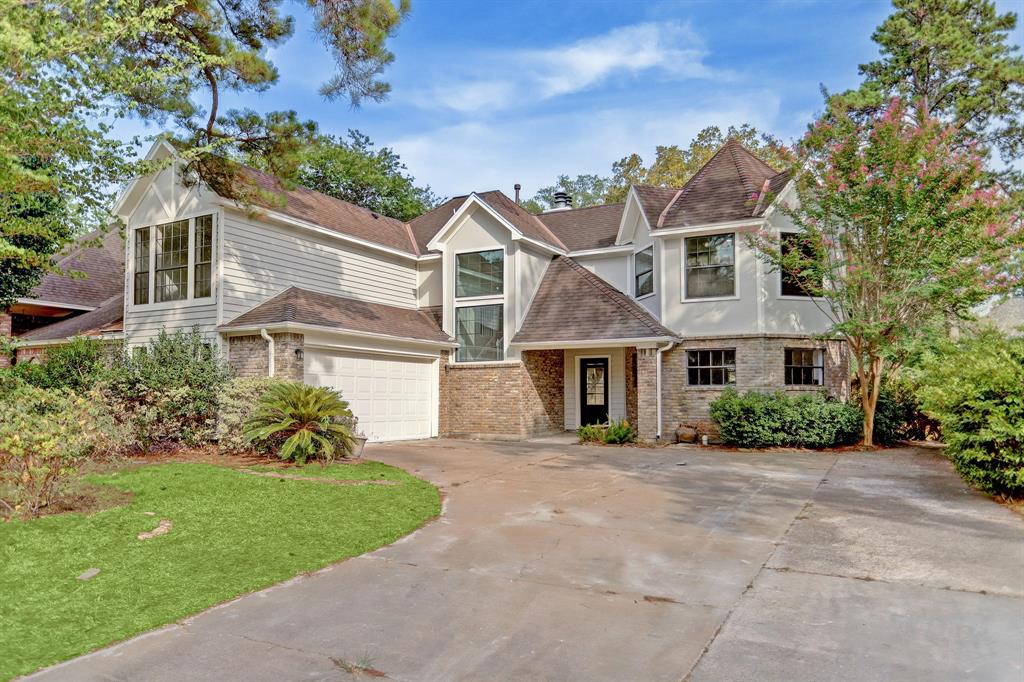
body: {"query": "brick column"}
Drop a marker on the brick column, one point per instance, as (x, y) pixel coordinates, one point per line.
(287, 365)
(5, 332)
(647, 393)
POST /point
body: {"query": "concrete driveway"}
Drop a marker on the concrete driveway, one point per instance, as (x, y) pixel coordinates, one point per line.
(559, 562)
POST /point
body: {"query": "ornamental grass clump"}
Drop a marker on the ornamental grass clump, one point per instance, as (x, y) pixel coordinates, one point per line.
(301, 422)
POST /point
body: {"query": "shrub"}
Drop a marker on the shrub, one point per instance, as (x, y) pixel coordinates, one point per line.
(898, 414)
(590, 433)
(170, 388)
(44, 436)
(615, 433)
(77, 365)
(976, 390)
(236, 402)
(757, 420)
(301, 422)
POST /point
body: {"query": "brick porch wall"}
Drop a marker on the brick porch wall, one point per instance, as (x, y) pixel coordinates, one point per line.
(631, 375)
(506, 401)
(247, 355)
(37, 354)
(760, 366)
(647, 393)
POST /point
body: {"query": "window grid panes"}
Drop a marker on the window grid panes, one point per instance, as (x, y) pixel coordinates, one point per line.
(790, 282)
(711, 367)
(710, 266)
(480, 274)
(480, 332)
(203, 241)
(805, 367)
(171, 262)
(141, 280)
(643, 272)
(595, 385)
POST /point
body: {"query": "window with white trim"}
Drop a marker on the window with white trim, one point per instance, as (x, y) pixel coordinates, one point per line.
(480, 306)
(711, 266)
(805, 367)
(712, 367)
(173, 261)
(796, 284)
(643, 272)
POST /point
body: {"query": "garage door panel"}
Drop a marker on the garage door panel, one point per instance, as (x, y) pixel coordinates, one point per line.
(391, 396)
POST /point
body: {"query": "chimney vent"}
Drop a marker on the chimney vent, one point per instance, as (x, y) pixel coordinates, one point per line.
(562, 201)
(517, 188)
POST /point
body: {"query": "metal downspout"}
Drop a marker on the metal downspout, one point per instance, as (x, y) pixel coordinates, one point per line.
(663, 349)
(270, 352)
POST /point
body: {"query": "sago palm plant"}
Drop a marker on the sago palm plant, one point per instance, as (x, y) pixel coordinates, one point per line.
(303, 420)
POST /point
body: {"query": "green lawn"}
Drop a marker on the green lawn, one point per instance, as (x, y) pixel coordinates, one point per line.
(233, 533)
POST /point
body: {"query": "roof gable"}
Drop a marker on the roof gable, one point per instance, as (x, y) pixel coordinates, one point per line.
(512, 216)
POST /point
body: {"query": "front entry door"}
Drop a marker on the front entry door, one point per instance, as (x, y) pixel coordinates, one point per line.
(593, 391)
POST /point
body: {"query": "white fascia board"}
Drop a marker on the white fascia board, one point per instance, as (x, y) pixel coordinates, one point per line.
(692, 229)
(606, 251)
(300, 327)
(54, 304)
(113, 336)
(437, 242)
(777, 200)
(160, 144)
(632, 201)
(313, 227)
(643, 342)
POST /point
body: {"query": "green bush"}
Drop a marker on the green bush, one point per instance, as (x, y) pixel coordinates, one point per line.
(169, 389)
(757, 420)
(77, 365)
(302, 422)
(898, 413)
(45, 435)
(236, 402)
(615, 433)
(976, 390)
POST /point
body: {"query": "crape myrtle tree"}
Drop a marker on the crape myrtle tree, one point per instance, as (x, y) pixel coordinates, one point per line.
(900, 229)
(72, 69)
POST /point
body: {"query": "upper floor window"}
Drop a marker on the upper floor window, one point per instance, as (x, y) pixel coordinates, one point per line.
(643, 272)
(711, 266)
(481, 273)
(792, 284)
(711, 367)
(173, 261)
(805, 367)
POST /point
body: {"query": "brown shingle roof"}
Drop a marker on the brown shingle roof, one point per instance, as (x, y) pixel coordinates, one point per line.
(302, 306)
(593, 227)
(573, 304)
(337, 215)
(102, 264)
(424, 227)
(107, 318)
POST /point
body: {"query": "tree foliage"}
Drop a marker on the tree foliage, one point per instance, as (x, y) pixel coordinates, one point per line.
(585, 190)
(72, 69)
(674, 165)
(899, 232)
(950, 60)
(354, 171)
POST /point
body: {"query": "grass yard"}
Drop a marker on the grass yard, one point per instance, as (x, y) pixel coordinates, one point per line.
(233, 532)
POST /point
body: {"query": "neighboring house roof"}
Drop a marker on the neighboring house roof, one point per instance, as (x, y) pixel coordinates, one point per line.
(726, 188)
(581, 229)
(108, 318)
(301, 306)
(337, 215)
(426, 226)
(573, 304)
(1008, 315)
(102, 264)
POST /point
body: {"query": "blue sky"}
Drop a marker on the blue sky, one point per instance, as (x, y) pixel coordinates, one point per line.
(487, 94)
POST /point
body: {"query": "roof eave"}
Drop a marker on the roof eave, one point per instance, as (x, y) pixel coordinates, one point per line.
(286, 326)
(639, 342)
(724, 225)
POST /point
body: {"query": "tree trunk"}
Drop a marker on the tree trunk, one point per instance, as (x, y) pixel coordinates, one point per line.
(871, 384)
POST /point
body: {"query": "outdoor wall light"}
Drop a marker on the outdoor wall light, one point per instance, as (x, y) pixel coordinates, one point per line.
(299, 353)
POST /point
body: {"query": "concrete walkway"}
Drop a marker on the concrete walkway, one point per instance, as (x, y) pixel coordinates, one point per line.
(561, 562)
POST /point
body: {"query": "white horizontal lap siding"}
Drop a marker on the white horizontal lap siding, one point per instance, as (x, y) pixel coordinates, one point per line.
(261, 260)
(142, 325)
(616, 387)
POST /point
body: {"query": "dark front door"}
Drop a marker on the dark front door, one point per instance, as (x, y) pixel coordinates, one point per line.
(593, 391)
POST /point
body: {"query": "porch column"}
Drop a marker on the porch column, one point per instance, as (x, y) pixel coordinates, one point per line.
(647, 393)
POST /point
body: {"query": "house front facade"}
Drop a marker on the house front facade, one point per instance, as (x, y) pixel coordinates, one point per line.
(479, 319)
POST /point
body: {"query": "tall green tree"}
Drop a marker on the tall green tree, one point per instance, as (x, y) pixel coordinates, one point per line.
(950, 60)
(585, 190)
(674, 165)
(354, 171)
(898, 232)
(72, 68)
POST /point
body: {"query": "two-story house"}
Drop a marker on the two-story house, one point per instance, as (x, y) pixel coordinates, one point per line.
(479, 318)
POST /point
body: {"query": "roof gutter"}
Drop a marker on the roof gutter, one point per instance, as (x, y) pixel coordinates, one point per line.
(270, 350)
(694, 229)
(300, 327)
(645, 342)
(41, 343)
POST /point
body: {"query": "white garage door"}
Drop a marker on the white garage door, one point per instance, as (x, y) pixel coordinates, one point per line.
(393, 397)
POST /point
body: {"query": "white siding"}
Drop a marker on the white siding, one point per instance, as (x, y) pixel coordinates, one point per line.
(141, 325)
(531, 267)
(788, 314)
(613, 269)
(431, 290)
(616, 387)
(262, 259)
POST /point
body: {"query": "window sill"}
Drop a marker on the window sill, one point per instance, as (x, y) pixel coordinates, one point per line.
(792, 297)
(645, 296)
(167, 305)
(484, 363)
(710, 299)
(702, 387)
(462, 300)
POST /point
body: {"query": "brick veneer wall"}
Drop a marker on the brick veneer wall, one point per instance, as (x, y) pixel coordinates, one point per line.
(760, 366)
(37, 354)
(631, 376)
(647, 393)
(248, 356)
(503, 400)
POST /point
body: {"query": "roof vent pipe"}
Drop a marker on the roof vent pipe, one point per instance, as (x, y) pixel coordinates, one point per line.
(562, 200)
(517, 188)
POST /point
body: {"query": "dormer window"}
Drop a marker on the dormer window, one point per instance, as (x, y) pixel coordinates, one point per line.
(480, 306)
(173, 261)
(643, 272)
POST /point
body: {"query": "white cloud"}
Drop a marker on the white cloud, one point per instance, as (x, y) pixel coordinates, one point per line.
(533, 150)
(672, 49)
